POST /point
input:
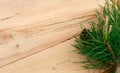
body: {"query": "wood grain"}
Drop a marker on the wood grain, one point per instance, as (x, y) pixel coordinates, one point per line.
(28, 27)
(58, 59)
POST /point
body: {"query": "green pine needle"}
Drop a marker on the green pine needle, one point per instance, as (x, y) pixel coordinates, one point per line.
(101, 44)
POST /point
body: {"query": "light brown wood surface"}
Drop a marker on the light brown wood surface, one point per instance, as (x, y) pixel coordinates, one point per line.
(58, 59)
(36, 35)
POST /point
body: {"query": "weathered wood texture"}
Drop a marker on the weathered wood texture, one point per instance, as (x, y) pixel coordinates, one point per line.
(58, 59)
(28, 27)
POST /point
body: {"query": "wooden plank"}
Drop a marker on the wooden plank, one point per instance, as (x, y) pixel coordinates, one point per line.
(58, 59)
(31, 26)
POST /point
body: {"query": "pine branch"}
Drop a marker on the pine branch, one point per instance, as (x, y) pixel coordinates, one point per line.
(100, 45)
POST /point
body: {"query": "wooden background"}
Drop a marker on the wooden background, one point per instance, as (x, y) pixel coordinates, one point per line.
(36, 35)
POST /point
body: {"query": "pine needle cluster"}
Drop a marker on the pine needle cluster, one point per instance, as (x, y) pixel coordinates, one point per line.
(101, 44)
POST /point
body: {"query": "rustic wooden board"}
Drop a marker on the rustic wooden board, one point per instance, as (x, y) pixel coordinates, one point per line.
(28, 27)
(58, 59)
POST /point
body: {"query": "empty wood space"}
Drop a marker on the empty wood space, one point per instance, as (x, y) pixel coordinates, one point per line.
(36, 35)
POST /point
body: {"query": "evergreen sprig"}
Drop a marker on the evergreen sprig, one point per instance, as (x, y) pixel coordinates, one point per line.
(101, 44)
